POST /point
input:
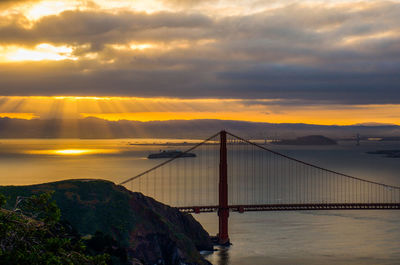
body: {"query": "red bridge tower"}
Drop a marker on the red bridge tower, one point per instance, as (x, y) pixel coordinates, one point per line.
(223, 209)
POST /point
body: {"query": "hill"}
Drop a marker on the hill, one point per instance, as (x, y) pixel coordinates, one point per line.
(91, 128)
(150, 231)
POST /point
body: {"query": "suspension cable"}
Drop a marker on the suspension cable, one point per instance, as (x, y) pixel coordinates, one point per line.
(314, 166)
(169, 160)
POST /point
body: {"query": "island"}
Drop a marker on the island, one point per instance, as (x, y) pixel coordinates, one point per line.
(307, 140)
(386, 153)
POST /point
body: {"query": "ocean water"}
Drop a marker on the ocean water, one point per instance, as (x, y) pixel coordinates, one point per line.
(309, 237)
(323, 237)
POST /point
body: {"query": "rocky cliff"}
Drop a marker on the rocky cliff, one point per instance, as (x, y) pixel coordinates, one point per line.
(150, 231)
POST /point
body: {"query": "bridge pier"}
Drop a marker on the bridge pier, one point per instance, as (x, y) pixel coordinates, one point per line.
(223, 209)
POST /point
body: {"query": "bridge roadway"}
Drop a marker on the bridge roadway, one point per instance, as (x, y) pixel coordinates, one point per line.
(294, 207)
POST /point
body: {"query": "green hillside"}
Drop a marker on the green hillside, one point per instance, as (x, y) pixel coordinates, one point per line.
(150, 231)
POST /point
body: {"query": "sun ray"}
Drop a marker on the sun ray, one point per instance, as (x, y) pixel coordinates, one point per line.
(69, 108)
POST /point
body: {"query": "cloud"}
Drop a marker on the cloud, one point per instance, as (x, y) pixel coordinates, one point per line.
(79, 27)
(9, 3)
(187, 3)
(345, 53)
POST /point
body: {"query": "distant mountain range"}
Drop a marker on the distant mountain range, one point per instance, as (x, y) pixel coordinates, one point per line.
(92, 128)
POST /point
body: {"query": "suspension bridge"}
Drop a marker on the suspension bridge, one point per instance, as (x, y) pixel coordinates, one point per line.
(230, 173)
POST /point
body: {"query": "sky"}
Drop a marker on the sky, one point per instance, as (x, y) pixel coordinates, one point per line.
(319, 62)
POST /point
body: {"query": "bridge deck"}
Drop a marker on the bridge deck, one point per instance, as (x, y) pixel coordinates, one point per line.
(294, 207)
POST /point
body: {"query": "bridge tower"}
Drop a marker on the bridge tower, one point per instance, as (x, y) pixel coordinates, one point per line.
(223, 209)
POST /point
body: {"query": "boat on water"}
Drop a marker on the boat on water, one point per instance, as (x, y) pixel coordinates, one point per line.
(170, 154)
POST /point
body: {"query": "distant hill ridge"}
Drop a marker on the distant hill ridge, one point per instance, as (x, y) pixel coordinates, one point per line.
(92, 128)
(308, 140)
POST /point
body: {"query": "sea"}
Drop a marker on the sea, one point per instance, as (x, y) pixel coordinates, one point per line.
(348, 237)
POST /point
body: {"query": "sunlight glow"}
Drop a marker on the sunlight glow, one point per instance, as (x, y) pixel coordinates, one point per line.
(36, 10)
(141, 46)
(363, 38)
(72, 151)
(69, 152)
(162, 46)
(163, 109)
(148, 6)
(41, 52)
(18, 115)
(133, 46)
(46, 8)
(81, 98)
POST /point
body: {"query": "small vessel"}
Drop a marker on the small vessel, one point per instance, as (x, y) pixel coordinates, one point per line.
(170, 154)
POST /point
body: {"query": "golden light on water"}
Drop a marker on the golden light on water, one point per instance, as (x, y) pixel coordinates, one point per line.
(72, 152)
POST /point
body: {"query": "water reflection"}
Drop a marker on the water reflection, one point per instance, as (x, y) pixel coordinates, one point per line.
(223, 255)
(72, 151)
(309, 238)
(220, 256)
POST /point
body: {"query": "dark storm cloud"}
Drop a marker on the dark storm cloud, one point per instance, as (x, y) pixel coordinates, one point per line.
(78, 27)
(301, 53)
(307, 84)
